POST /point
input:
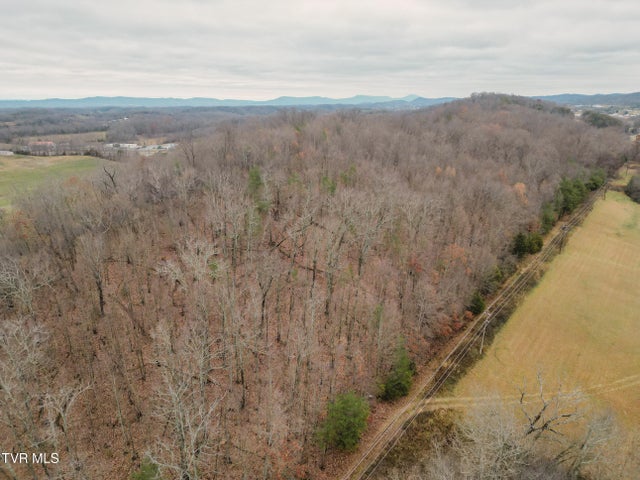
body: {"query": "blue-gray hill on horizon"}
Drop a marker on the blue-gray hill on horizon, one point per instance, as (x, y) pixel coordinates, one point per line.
(382, 102)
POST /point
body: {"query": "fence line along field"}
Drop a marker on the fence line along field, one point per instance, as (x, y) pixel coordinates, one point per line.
(19, 173)
(579, 327)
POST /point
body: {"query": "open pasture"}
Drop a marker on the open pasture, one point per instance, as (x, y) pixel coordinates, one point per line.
(580, 327)
(20, 173)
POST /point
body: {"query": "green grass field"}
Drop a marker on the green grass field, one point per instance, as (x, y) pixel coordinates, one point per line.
(22, 173)
(580, 327)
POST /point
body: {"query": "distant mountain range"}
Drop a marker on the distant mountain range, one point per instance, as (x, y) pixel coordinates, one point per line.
(621, 99)
(410, 101)
(362, 101)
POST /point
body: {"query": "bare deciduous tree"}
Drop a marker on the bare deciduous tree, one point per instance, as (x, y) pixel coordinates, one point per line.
(186, 406)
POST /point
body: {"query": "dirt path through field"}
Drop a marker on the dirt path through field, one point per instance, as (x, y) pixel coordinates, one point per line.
(461, 402)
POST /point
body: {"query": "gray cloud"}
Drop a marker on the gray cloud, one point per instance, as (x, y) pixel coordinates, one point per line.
(257, 49)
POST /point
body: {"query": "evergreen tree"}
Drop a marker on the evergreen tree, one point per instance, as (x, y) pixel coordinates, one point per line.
(571, 193)
(255, 183)
(346, 420)
(633, 188)
(148, 471)
(477, 304)
(548, 218)
(534, 242)
(398, 382)
(597, 179)
(520, 245)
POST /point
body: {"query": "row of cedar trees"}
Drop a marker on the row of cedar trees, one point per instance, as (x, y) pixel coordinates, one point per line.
(200, 312)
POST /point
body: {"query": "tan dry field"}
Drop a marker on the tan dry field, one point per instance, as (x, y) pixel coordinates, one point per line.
(580, 327)
(91, 137)
(84, 137)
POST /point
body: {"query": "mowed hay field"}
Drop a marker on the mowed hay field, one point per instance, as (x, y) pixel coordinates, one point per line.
(580, 326)
(20, 173)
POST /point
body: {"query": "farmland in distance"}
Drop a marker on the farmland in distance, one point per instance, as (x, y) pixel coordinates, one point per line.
(20, 173)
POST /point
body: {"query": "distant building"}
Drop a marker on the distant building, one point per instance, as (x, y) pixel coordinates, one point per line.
(149, 150)
(121, 146)
(5, 153)
(124, 148)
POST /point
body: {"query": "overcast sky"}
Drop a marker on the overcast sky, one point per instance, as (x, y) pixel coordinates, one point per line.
(264, 49)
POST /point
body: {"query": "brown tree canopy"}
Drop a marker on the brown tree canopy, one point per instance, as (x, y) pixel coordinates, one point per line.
(207, 307)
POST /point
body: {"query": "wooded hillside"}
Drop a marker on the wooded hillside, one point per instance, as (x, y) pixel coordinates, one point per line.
(201, 311)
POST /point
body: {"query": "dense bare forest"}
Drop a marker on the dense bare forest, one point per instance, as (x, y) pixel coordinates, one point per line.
(197, 313)
(124, 124)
